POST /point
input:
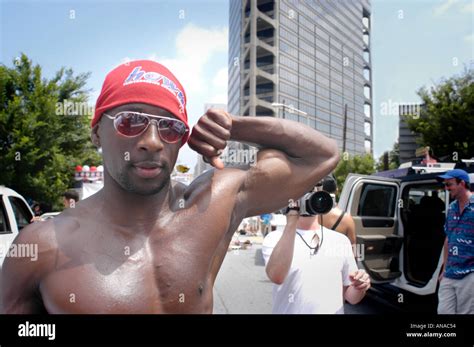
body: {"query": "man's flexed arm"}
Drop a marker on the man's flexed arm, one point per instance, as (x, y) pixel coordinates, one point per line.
(292, 159)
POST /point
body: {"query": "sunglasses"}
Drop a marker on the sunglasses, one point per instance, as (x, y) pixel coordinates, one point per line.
(131, 124)
(449, 184)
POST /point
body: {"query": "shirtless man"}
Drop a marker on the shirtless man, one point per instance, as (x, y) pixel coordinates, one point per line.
(145, 244)
(337, 219)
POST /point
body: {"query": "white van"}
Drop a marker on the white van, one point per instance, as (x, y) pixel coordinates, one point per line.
(15, 214)
(400, 225)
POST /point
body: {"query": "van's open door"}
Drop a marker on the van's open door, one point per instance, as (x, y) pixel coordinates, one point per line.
(372, 202)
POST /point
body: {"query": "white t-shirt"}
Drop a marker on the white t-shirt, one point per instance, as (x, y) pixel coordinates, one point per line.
(314, 283)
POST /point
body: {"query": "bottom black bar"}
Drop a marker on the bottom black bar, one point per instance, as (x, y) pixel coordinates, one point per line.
(223, 329)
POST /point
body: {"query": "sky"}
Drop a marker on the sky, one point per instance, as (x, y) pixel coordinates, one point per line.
(414, 43)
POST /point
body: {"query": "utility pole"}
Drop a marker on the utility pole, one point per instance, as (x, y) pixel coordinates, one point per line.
(344, 130)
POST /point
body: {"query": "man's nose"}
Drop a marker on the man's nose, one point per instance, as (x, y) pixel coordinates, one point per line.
(150, 140)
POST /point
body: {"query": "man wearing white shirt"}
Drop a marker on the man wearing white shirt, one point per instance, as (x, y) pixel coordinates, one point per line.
(313, 268)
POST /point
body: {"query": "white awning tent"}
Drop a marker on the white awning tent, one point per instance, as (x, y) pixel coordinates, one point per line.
(89, 189)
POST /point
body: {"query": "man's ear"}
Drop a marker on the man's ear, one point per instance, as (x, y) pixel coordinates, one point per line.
(95, 136)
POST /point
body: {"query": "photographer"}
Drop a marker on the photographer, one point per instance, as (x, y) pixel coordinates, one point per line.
(313, 267)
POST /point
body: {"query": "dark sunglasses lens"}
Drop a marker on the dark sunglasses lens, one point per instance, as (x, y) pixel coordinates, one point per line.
(171, 130)
(130, 124)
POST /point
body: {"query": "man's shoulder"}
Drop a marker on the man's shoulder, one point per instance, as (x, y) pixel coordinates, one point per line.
(471, 199)
(40, 241)
(67, 220)
(36, 232)
(44, 234)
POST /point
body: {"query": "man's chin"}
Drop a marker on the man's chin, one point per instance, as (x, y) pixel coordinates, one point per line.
(149, 189)
(146, 187)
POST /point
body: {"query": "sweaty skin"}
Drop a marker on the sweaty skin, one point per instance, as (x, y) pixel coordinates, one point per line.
(145, 244)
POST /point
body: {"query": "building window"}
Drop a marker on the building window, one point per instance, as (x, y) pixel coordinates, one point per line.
(368, 146)
(367, 110)
(367, 92)
(367, 128)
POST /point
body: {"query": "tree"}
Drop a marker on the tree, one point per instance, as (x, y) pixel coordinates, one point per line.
(44, 130)
(361, 164)
(446, 122)
(393, 159)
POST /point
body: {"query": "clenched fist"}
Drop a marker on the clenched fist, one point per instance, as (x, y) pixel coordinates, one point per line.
(210, 135)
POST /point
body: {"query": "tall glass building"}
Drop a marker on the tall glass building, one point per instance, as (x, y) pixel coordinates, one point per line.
(304, 60)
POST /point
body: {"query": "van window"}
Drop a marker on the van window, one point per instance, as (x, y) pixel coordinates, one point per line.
(4, 225)
(377, 200)
(431, 196)
(22, 215)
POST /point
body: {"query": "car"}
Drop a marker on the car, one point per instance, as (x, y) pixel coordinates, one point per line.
(15, 214)
(399, 217)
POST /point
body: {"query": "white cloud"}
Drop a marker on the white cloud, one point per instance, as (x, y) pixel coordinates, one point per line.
(220, 81)
(469, 38)
(219, 99)
(469, 7)
(195, 47)
(444, 7)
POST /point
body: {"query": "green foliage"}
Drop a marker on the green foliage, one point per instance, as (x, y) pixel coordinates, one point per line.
(39, 145)
(393, 159)
(446, 123)
(361, 164)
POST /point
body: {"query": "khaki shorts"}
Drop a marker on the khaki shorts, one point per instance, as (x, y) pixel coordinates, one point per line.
(456, 296)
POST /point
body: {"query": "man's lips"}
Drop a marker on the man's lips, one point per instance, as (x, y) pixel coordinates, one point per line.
(148, 169)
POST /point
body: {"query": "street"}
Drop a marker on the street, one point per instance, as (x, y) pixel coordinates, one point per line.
(242, 287)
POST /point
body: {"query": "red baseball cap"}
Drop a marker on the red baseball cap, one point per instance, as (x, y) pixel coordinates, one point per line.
(142, 81)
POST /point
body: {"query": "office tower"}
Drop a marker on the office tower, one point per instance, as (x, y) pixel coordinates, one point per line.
(307, 61)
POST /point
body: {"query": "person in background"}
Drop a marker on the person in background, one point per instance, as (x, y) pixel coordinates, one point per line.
(337, 219)
(456, 287)
(70, 198)
(37, 211)
(312, 267)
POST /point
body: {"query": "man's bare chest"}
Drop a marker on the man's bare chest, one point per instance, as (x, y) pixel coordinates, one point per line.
(167, 272)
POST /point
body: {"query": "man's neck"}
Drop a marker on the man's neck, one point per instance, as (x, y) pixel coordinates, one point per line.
(464, 199)
(130, 209)
(307, 223)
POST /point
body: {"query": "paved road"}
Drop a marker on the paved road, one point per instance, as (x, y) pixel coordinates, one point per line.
(242, 287)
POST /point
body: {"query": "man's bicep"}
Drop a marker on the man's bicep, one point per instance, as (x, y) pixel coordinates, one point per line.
(276, 178)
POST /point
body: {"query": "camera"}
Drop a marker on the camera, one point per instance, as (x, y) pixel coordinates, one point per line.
(312, 203)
